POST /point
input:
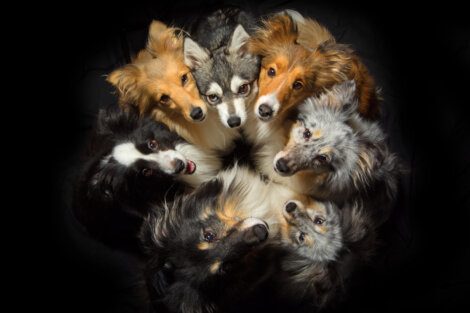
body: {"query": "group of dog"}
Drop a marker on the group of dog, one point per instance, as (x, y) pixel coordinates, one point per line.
(292, 215)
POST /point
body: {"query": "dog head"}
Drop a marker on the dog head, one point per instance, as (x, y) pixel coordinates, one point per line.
(288, 69)
(137, 157)
(226, 77)
(322, 140)
(158, 78)
(312, 229)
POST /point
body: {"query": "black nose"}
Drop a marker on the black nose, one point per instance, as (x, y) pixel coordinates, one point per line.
(261, 232)
(290, 207)
(234, 121)
(196, 114)
(281, 166)
(265, 111)
(179, 166)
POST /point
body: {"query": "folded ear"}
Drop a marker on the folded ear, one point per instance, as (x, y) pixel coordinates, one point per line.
(162, 38)
(345, 92)
(194, 54)
(126, 80)
(238, 40)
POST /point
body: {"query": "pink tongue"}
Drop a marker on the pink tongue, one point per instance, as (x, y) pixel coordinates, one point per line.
(190, 167)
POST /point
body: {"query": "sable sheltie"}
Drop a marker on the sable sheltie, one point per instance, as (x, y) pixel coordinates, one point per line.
(160, 84)
(300, 58)
(132, 163)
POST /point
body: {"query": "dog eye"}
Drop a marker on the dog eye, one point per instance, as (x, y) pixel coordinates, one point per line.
(184, 79)
(147, 172)
(271, 72)
(307, 134)
(302, 237)
(244, 89)
(213, 99)
(297, 85)
(209, 236)
(321, 158)
(164, 99)
(318, 220)
(152, 144)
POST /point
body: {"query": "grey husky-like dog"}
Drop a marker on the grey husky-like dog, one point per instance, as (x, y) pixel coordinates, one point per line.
(226, 75)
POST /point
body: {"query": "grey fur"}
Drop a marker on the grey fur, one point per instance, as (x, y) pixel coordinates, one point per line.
(216, 54)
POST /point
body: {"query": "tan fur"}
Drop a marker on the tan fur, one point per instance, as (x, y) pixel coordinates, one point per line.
(157, 71)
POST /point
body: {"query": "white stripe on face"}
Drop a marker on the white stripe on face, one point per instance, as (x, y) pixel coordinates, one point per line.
(215, 89)
(127, 154)
(240, 109)
(270, 100)
(222, 108)
(236, 82)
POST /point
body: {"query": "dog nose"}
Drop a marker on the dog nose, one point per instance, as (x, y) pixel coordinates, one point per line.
(196, 114)
(261, 232)
(281, 165)
(179, 166)
(290, 207)
(265, 111)
(256, 234)
(234, 121)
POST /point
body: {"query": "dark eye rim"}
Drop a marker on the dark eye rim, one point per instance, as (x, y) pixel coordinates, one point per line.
(318, 220)
(164, 99)
(322, 158)
(248, 88)
(301, 237)
(184, 79)
(297, 85)
(271, 72)
(212, 236)
(307, 133)
(147, 172)
(152, 144)
(213, 101)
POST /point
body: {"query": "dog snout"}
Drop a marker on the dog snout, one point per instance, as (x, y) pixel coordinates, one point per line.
(291, 207)
(256, 234)
(197, 114)
(281, 166)
(265, 111)
(234, 121)
(179, 165)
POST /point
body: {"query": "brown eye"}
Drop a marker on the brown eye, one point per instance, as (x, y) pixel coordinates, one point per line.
(184, 79)
(271, 72)
(301, 237)
(297, 85)
(147, 172)
(164, 99)
(209, 236)
(307, 134)
(244, 89)
(318, 221)
(321, 158)
(152, 144)
(213, 99)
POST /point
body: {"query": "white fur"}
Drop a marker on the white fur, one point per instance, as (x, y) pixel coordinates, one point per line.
(236, 82)
(194, 55)
(222, 108)
(239, 38)
(240, 110)
(250, 222)
(215, 89)
(126, 154)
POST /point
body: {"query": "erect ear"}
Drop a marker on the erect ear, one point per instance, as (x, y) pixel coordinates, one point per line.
(346, 94)
(194, 54)
(162, 38)
(126, 81)
(238, 40)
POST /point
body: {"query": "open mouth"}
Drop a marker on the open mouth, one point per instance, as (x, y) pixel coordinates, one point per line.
(190, 167)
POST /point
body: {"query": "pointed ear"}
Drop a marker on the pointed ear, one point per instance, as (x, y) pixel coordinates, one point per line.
(238, 40)
(194, 54)
(126, 80)
(162, 38)
(346, 93)
(294, 15)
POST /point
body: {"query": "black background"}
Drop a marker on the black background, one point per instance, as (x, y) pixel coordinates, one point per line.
(419, 55)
